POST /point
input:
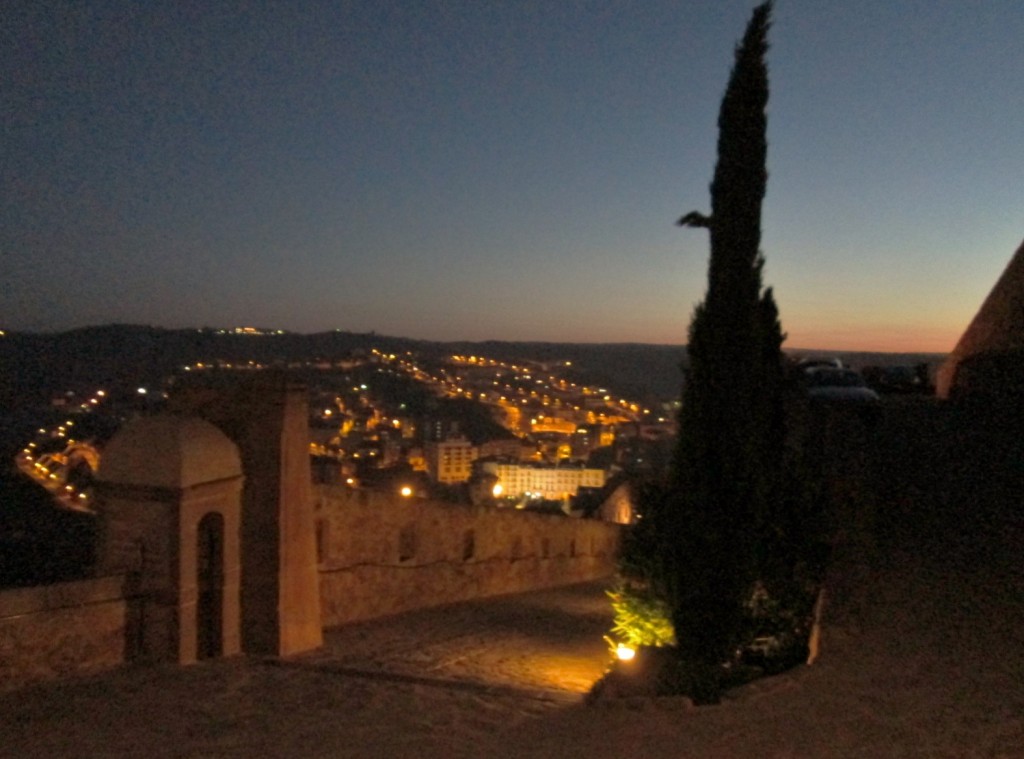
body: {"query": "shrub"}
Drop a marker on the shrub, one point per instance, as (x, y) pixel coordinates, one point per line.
(641, 617)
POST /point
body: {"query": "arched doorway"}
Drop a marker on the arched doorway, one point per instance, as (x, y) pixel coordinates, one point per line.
(210, 582)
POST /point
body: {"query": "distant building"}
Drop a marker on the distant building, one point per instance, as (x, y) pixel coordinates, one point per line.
(450, 461)
(508, 447)
(619, 504)
(547, 482)
(541, 424)
(587, 439)
(416, 459)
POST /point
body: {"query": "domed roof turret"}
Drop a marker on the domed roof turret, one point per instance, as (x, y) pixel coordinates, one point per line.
(170, 451)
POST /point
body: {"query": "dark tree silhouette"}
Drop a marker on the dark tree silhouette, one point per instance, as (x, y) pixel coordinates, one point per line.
(727, 471)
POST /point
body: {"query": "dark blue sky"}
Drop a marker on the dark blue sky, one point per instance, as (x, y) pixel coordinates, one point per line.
(506, 170)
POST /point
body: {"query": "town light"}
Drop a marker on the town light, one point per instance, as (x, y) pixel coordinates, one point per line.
(624, 652)
(406, 491)
(497, 490)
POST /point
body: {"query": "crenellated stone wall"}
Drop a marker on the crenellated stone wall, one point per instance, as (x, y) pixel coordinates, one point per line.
(380, 554)
(377, 555)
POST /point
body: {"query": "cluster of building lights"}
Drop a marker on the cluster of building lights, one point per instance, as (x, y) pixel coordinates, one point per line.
(200, 366)
(555, 404)
(46, 468)
(549, 390)
(249, 331)
(516, 389)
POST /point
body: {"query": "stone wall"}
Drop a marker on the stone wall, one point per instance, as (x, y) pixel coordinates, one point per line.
(377, 555)
(68, 628)
(381, 555)
(987, 362)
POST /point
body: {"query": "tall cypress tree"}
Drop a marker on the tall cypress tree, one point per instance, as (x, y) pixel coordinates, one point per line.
(727, 474)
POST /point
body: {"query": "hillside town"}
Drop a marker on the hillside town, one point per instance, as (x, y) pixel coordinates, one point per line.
(468, 429)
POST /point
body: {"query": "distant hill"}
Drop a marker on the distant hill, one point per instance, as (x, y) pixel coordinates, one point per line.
(34, 367)
(637, 370)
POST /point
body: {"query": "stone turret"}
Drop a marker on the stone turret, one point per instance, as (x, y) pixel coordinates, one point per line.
(169, 501)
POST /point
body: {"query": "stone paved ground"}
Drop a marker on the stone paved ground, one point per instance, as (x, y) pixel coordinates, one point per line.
(438, 682)
(923, 656)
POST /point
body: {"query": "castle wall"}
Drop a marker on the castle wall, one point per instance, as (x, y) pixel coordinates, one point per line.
(378, 555)
(381, 554)
(987, 362)
(69, 628)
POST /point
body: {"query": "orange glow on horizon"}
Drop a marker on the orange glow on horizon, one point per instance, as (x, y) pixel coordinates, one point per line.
(875, 340)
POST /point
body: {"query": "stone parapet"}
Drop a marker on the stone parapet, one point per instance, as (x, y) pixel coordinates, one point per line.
(380, 555)
(61, 630)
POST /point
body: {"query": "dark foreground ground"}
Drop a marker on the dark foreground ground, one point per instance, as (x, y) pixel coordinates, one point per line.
(922, 652)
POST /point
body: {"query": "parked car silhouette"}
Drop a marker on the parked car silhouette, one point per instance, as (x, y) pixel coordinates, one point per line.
(841, 389)
(806, 364)
(898, 379)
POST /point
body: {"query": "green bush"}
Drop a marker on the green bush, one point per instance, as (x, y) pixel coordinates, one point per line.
(641, 618)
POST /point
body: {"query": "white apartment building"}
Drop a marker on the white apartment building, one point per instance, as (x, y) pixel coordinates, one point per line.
(549, 482)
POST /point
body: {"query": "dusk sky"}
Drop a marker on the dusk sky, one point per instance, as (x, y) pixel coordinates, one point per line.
(483, 169)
